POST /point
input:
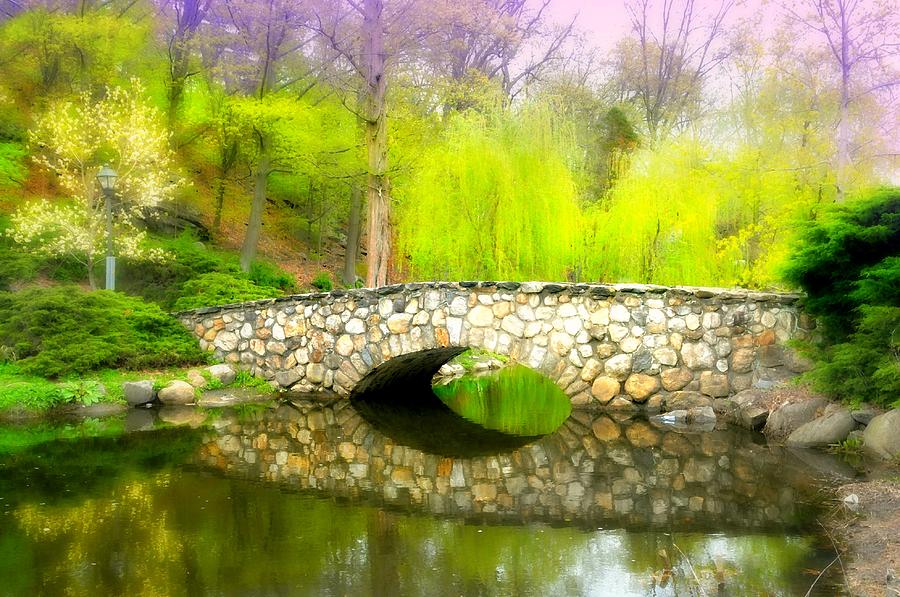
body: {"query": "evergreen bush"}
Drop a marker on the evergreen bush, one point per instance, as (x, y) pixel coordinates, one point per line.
(216, 288)
(323, 282)
(62, 330)
(849, 265)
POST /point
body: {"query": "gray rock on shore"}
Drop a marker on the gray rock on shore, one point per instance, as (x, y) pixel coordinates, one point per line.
(882, 436)
(225, 374)
(138, 392)
(177, 392)
(790, 417)
(831, 428)
(752, 408)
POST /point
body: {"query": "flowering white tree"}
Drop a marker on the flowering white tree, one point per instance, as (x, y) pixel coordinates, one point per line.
(74, 140)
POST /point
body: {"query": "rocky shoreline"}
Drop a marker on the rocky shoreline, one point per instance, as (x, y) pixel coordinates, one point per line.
(866, 526)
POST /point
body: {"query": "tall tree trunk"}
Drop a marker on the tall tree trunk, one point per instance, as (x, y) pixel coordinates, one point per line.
(188, 20)
(843, 132)
(351, 253)
(227, 158)
(176, 93)
(220, 204)
(378, 191)
(258, 207)
(92, 279)
(178, 69)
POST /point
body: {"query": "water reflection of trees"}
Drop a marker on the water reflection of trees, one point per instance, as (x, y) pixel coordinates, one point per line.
(189, 533)
(151, 527)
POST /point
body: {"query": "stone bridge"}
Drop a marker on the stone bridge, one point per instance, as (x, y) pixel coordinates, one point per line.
(612, 345)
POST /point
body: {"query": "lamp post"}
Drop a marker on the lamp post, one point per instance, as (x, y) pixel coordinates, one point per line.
(107, 179)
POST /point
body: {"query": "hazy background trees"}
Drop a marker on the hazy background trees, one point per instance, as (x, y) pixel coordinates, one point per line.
(479, 138)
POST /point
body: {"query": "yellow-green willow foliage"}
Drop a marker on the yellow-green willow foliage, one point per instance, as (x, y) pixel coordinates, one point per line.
(688, 215)
(493, 198)
(658, 224)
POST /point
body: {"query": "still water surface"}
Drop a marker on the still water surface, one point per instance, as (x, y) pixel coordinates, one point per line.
(315, 498)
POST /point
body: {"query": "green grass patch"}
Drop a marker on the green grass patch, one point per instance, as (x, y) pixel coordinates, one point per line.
(244, 379)
(26, 391)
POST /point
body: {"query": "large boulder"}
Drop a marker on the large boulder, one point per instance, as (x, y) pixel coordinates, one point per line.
(225, 374)
(882, 436)
(785, 420)
(195, 378)
(831, 428)
(138, 392)
(177, 392)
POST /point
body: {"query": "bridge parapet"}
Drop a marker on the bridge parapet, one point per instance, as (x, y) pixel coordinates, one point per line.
(615, 345)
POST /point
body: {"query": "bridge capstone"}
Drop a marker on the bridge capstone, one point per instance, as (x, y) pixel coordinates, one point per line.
(612, 345)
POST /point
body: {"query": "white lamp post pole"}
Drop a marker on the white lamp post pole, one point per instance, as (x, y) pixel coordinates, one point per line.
(107, 178)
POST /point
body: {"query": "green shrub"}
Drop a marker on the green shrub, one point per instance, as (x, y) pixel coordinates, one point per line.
(849, 265)
(15, 264)
(847, 259)
(172, 284)
(323, 282)
(84, 392)
(61, 330)
(163, 283)
(214, 289)
(865, 367)
(269, 275)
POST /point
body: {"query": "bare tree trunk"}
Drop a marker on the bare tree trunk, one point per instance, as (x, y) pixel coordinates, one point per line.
(92, 280)
(843, 132)
(378, 191)
(175, 96)
(220, 205)
(351, 252)
(187, 21)
(258, 207)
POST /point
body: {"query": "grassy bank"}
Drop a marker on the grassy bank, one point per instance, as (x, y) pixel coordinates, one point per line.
(21, 391)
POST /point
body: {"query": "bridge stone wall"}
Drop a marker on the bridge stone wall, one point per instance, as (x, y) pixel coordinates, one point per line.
(612, 345)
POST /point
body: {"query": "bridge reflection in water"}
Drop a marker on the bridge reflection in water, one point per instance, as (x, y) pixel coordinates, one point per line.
(593, 471)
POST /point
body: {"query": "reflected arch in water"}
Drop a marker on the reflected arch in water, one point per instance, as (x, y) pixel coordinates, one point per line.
(470, 416)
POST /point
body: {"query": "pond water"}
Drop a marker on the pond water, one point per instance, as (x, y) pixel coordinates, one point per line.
(340, 498)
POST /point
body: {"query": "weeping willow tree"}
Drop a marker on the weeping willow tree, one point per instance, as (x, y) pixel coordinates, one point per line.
(494, 198)
(686, 214)
(658, 224)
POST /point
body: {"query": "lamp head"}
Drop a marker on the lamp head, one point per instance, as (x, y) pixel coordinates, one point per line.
(107, 178)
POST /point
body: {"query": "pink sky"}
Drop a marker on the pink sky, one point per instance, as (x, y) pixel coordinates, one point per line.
(609, 20)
